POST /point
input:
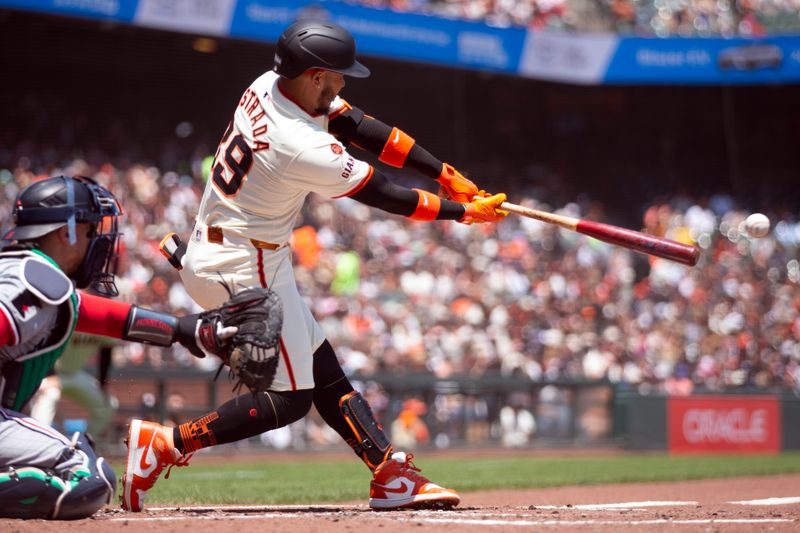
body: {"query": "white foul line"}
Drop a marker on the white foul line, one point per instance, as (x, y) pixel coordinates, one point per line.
(617, 506)
(464, 521)
(770, 501)
(343, 507)
(235, 507)
(529, 523)
(268, 516)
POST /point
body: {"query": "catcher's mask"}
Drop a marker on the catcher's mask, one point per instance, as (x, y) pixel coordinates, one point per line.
(313, 44)
(49, 204)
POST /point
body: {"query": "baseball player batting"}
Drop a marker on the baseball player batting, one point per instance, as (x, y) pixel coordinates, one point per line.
(65, 237)
(288, 138)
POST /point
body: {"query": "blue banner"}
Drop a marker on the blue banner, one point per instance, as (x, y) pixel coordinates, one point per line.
(119, 10)
(705, 61)
(578, 58)
(385, 33)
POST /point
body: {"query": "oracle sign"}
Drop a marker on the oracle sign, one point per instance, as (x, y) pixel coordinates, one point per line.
(724, 424)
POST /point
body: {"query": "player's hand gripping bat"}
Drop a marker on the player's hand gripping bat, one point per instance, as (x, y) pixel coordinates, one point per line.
(633, 240)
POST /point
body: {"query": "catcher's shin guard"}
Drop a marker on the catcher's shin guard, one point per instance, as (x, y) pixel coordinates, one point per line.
(29, 492)
(91, 484)
(369, 441)
(79, 492)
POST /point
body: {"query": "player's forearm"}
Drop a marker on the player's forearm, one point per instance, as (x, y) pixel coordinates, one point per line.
(392, 146)
(102, 316)
(416, 204)
(121, 320)
(162, 329)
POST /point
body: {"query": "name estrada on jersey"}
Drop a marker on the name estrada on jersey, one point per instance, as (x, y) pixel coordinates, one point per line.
(271, 156)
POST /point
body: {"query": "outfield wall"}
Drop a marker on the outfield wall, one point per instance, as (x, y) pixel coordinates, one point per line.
(708, 423)
(464, 412)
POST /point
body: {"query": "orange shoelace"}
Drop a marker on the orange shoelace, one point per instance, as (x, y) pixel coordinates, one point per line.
(181, 461)
(410, 470)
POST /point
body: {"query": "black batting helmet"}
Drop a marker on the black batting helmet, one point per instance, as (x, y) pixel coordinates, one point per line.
(312, 44)
(44, 206)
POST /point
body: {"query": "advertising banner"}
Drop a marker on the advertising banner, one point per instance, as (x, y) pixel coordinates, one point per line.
(119, 10)
(568, 57)
(386, 33)
(708, 424)
(705, 61)
(191, 16)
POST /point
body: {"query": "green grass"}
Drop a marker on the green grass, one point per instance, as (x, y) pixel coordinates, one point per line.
(313, 481)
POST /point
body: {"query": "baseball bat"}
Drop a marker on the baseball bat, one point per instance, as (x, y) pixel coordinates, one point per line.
(633, 240)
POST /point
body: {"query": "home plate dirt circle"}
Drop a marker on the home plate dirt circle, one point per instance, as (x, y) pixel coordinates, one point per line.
(736, 504)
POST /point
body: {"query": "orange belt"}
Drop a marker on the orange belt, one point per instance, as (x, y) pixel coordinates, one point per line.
(215, 234)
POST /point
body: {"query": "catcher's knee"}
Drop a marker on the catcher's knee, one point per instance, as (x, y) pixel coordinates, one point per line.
(90, 484)
(88, 495)
(368, 440)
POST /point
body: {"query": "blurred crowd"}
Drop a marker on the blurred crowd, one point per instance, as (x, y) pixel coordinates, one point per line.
(524, 302)
(521, 298)
(643, 17)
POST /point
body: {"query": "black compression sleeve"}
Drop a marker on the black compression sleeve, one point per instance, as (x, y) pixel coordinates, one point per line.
(423, 162)
(371, 134)
(345, 126)
(382, 193)
(245, 416)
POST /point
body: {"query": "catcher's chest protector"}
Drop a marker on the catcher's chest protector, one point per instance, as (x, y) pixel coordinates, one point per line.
(43, 309)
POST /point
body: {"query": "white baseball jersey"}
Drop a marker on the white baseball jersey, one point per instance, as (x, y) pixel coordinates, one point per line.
(272, 155)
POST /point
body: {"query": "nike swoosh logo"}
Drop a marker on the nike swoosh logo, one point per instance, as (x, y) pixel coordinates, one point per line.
(148, 461)
(400, 486)
(396, 137)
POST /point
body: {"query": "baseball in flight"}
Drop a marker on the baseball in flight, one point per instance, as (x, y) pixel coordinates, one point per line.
(757, 225)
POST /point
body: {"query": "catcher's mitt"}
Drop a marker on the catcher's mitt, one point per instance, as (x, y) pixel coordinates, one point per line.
(251, 352)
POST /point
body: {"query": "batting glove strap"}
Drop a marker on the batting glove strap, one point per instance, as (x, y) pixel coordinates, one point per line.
(484, 210)
(456, 187)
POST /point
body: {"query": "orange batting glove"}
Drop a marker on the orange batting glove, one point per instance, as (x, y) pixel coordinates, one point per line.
(456, 187)
(484, 209)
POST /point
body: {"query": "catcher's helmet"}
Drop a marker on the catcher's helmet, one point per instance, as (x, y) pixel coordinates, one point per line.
(308, 44)
(52, 203)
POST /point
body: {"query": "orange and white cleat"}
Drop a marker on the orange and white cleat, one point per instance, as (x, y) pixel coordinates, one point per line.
(150, 450)
(397, 483)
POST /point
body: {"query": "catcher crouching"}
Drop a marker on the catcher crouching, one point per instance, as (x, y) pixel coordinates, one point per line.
(65, 238)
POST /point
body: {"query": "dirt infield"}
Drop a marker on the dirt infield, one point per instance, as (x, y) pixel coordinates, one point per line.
(728, 505)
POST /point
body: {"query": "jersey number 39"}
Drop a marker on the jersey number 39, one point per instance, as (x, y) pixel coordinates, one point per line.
(231, 166)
